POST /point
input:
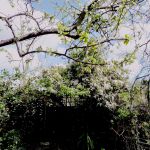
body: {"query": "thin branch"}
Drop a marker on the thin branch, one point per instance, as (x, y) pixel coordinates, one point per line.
(137, 78)
(64, 55)
(27, 15)
(33, 40)
(146, 43)
(10, 26)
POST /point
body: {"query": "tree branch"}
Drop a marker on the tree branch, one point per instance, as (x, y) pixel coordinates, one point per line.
(82, 15)
(64, 55)
(35, 34)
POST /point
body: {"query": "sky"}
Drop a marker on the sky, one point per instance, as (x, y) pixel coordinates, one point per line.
(52, 41)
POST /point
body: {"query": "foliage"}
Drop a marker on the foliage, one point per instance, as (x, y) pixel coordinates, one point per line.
(74, 85)
(11, 140)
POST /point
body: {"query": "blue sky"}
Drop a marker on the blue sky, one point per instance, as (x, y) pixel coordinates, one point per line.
(43, 5)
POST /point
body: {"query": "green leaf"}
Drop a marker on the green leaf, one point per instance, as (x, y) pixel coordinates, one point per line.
(84, 37)
(127, 39)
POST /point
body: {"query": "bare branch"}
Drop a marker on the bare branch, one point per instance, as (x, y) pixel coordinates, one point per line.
(27, 15)
(35, 34)
(64, 55)
(15, 38)
(145, 44)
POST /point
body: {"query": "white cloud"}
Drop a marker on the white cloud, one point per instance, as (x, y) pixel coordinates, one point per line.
(134, 69)
(10, 59)
(119, 50)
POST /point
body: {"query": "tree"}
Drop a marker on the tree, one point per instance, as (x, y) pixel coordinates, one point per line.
(81, 25)
(89, 88)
